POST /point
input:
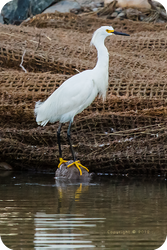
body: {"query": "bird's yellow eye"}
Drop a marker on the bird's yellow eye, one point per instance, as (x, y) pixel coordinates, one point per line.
(109, 31)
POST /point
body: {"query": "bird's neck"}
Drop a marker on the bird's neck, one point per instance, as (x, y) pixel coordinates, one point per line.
(101, 69)
(103, 56)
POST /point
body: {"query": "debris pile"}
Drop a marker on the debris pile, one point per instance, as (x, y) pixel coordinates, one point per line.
(156, 13)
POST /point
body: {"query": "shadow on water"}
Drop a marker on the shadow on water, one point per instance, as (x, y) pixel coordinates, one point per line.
(39, 212)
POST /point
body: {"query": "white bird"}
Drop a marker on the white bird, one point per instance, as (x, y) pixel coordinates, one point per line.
(78, 92)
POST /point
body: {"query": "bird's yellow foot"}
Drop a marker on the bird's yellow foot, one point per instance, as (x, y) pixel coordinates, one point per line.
(78, 165)
(61, 161)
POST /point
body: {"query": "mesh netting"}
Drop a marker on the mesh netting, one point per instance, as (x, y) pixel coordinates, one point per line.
(125, 134)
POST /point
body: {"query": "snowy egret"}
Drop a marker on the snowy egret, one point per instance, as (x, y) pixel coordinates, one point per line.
(77, 93)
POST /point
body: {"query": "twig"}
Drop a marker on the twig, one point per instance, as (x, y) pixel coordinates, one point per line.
(135, 130)
(39, 41)
(47, 37)
(109, 9)
(21, 64)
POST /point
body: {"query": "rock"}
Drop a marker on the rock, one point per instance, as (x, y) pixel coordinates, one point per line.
(114, 15)
(160, 21)
(14, 12)
(141, 18)
(5, 166)
(1, 19)
(63, 6)
(71, 173)
(118, 10)
(121, 15)
(94, 9)
(133, 14)
(100, 4)
(75, 7)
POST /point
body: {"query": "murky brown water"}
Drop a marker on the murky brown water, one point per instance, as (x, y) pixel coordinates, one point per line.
(38, 212)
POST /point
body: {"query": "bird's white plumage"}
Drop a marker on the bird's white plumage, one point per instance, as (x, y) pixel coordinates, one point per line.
(79, 91)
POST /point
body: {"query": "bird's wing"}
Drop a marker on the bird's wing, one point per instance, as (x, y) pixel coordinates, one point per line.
(74, 94)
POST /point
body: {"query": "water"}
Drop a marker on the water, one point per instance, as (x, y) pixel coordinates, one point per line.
(39, 212)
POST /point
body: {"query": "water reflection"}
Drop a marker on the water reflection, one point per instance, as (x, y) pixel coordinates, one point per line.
(63, 225)
(56, 230)
(38, 212)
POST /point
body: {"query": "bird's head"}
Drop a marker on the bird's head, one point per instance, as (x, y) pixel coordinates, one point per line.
(103, 32)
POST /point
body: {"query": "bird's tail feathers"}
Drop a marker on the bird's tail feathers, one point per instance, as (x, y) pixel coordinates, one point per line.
(37, 114)
(37, 106)
(43, 123)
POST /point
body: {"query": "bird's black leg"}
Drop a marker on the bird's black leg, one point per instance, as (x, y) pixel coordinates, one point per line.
(76, 163)
(69, 139)
(58, 140)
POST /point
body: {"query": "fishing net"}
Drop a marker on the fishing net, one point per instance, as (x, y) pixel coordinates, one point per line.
(126, 134)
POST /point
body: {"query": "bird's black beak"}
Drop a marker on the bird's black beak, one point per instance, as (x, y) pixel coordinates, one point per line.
(120, 33)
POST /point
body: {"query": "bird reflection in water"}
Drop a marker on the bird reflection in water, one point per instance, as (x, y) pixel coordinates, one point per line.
(69, 225)
(69, 192)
